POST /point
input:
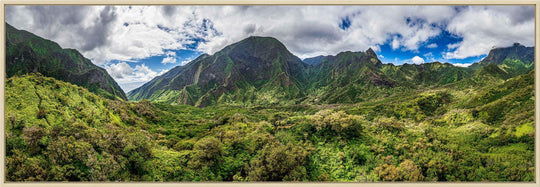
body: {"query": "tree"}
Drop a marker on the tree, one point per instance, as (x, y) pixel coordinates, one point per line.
(409, 171)
(277, 162)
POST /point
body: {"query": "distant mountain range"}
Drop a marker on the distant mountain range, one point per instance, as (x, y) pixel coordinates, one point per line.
(262, 71)
(28, 53)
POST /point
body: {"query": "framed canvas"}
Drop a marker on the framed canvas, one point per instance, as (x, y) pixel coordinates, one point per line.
(269, 93)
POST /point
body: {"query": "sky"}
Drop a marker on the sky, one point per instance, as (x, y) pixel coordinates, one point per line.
(137, 43)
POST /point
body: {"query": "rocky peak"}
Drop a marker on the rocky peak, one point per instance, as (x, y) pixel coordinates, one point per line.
(371, 53)
(516, 51)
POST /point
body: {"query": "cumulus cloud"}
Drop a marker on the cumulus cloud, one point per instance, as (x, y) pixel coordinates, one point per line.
(314, 30)
(429, 57)
(183, 63)
(120, 70)
(127, 33)
(417, 60)
(453, 46)
(129, 78)
(108, 34)
(463, 65)
(80, 27)
(395, 43)
(105, 33)
(485, 27)
(170, 58)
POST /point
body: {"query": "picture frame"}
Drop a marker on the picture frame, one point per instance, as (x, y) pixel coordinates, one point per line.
(266, 3)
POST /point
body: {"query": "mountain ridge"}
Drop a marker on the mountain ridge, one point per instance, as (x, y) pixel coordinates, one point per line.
(212, 78)
(346, 77)
(29, 53)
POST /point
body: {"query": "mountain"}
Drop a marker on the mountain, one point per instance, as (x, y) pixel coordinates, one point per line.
(351, 77)
(260, 71)
(346, 77)
(314, 61)
(514, 60)
(28, 53)
(426, 74)
(256, 70)
(517, 51)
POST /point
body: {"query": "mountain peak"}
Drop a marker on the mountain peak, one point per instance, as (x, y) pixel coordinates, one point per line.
(370, 52)
(516, 51)
(266, 39)
(256, 44)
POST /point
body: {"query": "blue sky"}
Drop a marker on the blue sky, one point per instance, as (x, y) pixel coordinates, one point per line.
(160, 63)
(431, 50)
(137, 43)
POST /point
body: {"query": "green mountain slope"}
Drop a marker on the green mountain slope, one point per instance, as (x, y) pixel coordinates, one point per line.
(261, 71)
(514, 60)
(314, 61)
(28, 53)
(351, 77)
(255, 70)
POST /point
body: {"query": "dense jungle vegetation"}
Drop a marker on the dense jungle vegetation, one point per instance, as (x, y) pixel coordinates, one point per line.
(57, 131)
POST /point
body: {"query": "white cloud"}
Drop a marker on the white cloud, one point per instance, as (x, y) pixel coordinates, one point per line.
(433, 45)
(103, 33)
(128, 33)
(170, 58)
(119, 70)
(484, 27)
(395, 43)
(417, 60)
(381, 56)
(463, 65)
(313, 31)
(429, 57)
(453, 46)
(129, 78)
(183, 63)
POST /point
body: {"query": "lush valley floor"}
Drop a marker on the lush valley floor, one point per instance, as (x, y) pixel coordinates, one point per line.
(483, 131)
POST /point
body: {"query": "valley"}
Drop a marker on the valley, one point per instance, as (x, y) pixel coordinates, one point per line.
(253, 111)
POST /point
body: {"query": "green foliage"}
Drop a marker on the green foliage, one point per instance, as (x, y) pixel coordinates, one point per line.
(277, 162)
(57, 131)
(70, 133)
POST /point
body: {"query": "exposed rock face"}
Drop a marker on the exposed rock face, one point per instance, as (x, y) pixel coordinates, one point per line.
(28, 53)
(512, 61)
(517, 51)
